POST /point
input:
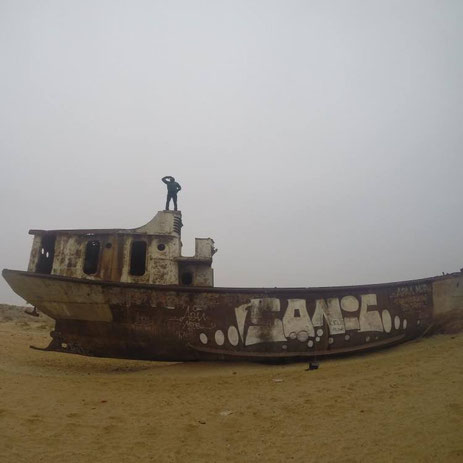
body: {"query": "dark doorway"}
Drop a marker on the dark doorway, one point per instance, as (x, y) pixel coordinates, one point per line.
(47, 253)
(187, 278)
(138, 258)
(92, 254)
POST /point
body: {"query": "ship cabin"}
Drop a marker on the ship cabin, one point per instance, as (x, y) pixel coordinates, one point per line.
(150, 254)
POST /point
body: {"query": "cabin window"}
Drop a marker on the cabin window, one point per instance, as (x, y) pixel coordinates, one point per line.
(46, 255)
(92, 254)
(187, 278)
(138, 258)
(161, 247)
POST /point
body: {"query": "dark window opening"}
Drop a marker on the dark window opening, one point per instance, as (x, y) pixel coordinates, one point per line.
(138, 258)
(187, 278)
(108, 245)
(92, 254)
(47, 253)
(297, 313)
(161, 247)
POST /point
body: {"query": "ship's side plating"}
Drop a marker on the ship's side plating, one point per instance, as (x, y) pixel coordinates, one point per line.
(184, 323)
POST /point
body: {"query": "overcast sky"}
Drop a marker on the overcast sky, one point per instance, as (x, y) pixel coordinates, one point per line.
(317, 142)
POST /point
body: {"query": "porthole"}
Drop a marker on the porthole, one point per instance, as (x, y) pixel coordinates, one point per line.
(161, 247)
(108, 245)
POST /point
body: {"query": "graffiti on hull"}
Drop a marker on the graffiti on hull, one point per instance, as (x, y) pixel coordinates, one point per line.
(296, 322)
(275, 320)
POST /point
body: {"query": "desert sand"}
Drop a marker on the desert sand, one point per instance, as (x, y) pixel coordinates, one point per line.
(402, 404)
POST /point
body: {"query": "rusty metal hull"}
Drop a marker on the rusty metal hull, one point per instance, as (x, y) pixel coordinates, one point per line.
(143, 321)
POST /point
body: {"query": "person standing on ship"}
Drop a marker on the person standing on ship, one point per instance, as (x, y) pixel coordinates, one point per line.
(172, 189)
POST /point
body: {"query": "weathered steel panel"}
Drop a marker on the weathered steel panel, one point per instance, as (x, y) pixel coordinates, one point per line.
(184, 323)
(112, 251)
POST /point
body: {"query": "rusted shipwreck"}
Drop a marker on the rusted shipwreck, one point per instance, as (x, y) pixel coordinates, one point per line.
(130, 293)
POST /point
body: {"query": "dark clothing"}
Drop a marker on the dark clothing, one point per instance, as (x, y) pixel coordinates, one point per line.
(172, 185)
(172, 196)
(172, 188)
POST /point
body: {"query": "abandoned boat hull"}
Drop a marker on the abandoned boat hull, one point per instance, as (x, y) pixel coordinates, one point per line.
(144, 321)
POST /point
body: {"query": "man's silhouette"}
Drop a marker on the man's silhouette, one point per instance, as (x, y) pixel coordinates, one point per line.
(172, 188)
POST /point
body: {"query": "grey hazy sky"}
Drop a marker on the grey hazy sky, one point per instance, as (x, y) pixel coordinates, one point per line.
(318, 142)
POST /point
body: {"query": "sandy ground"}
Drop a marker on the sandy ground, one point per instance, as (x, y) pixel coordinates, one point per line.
(399, 405)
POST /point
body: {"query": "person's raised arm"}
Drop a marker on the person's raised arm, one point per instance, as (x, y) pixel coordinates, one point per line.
(165, 179)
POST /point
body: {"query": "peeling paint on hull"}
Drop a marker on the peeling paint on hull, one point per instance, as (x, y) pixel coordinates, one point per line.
(143, 321)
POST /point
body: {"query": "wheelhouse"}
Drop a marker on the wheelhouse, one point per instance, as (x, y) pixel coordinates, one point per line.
(148, 254)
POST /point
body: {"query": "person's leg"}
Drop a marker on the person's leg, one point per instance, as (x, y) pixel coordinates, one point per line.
(174, 197)
(167, 202)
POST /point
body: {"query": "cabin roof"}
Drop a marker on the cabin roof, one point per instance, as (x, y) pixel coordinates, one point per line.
(97, 231)
(164, 223)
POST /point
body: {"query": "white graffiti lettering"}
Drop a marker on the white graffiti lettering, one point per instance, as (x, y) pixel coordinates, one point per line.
(297, 319)
(369, 320)
(329, 310)
(260, 320)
